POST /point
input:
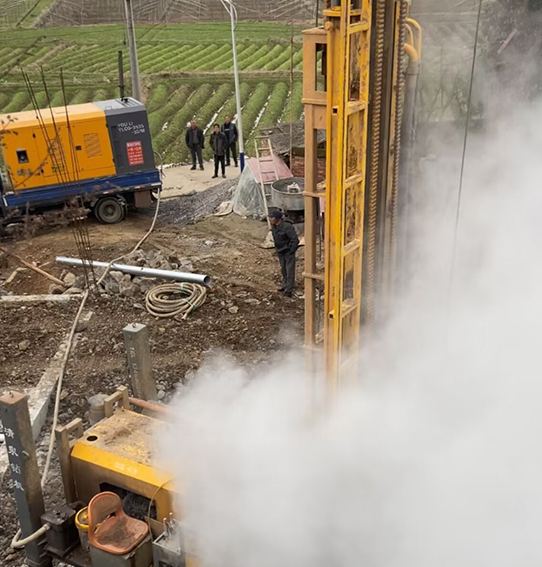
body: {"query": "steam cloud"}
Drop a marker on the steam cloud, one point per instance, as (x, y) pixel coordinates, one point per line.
(436, 460)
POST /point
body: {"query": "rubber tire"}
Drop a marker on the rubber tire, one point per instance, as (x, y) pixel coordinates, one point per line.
(110, 210)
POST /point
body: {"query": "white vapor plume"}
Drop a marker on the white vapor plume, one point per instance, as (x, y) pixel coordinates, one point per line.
(435, 459)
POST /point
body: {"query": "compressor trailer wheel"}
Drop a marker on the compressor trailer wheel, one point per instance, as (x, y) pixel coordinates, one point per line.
(175, 300)
(110, 210)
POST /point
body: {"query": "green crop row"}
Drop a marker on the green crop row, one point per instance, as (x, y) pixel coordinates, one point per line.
(96, 64)
(284, 61)
(9, 59)
(230, 108)
(243, 53)
(158, 97)
(160, 115)
(177, 55)
(275, 106)
(285, 65)
(38, 54)
(69, 59)
(177, 125)
(40, 99)
(294, 109)
(267, 59)
(58, 98)
(260, 52)
(253, 109)
(17, 103)
(82, 96)
(210, 58)
(64, 55)
(197, 55)
(226, 56)
(153, 57)
(160, 64)
(4, 99)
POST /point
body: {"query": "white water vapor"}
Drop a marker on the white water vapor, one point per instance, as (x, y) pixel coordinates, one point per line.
(436, 459)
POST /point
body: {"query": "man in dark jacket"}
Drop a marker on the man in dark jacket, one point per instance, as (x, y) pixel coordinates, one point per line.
(286, 245)
(219, 144)
(195, 140)
(232, 135)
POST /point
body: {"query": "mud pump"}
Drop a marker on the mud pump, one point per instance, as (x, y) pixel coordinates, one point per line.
(358, 87)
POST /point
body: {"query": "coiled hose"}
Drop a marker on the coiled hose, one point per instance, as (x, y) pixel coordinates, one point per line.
(176, 300)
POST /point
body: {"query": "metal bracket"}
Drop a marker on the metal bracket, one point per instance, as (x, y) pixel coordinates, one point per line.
(64, 448)
(121, 397)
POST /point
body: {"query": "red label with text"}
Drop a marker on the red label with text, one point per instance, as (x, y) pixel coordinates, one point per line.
(135, 153)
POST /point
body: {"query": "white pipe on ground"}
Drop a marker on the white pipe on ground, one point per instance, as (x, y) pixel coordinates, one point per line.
(141, 272)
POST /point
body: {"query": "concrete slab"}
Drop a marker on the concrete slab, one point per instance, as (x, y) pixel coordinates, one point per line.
(181, 180)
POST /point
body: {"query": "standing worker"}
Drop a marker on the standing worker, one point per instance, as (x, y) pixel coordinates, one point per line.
(219, 144)
(195, 140)
(232, 135)
(286, 245)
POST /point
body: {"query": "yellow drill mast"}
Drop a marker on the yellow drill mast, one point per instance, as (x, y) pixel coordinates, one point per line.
(353, 87)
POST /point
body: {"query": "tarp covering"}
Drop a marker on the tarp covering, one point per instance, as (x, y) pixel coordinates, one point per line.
(248, 200)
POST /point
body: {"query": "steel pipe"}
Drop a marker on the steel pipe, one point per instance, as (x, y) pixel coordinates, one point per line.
(151, 406)
(139, 271)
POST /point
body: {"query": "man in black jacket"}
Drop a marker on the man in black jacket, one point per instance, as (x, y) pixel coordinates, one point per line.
(195, 140)
(286, 245)
(219, 144)
(232, 135)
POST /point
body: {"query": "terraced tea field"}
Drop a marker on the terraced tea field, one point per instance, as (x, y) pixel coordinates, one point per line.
(186, 70)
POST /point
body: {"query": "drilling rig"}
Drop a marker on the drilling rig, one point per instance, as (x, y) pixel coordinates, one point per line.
(359, 85)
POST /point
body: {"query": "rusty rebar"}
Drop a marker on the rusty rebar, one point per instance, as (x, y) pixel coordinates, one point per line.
(377, 93)
(403, 14)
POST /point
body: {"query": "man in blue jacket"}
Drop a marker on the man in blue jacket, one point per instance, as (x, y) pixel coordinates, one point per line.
(229, 129)
(286, 245)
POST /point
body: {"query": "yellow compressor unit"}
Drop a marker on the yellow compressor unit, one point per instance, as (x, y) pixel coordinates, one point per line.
(99, 153)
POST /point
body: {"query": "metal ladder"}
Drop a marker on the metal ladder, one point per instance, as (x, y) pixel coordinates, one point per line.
(267, 165)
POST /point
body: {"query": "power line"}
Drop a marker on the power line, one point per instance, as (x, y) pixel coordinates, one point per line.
(465, 141)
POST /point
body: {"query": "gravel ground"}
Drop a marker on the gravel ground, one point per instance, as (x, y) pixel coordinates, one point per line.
(31, 333)
(244, 317)
(188, 209)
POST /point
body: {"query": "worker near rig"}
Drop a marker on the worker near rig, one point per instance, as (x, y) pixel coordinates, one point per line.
(286, 245)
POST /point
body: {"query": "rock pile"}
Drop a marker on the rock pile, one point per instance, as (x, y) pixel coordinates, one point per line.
(117, 283)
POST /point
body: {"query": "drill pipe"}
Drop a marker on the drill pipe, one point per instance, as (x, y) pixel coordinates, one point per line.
(139, 271)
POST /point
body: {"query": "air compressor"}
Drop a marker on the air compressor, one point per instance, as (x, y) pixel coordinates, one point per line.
(99, 155)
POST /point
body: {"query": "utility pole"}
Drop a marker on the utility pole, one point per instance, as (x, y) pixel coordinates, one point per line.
(134, 65)
(230, 8)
